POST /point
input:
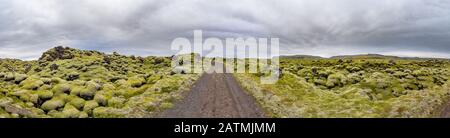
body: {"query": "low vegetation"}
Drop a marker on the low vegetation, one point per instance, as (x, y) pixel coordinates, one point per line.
(71, 83)
(359, 86)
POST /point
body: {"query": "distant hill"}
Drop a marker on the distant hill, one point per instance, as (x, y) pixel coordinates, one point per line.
(61, 53)
(379, 56)
(360, 56)
(365, 56)
(301, 56)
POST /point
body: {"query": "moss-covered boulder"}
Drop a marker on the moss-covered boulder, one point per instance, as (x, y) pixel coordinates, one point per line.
(72, 76)
(108, 112)
(121, 83)
(108, 86)
(93, 85)
(120, 92)
(116, 102)
(320, 81)
(67, 82)
(153, 79)
(18, 93)
(28, 97)
(89, 106)
(101, 99)
(9, 77)
(57, 53)
(6, 100)
(46, 80)
(77, 103)
(32, 83)
(25, 96)
(336, 80)
(83, 115)
(136, 81)
(56, 114)
(70, 111)
(167, 85)
(19, 77)
(56, 80)
(37, 113)
(61, 88)
(45, 87)
(53, 104)
(88, 93)
(45, 94)
(2, 74)
(76, 90)
(166, 105)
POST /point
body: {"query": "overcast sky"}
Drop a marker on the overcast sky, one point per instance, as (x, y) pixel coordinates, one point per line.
(147, 27)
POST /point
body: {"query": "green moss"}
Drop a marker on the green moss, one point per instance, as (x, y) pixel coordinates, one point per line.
(28, 97)
(52, 104)
(64, 75)
(153, 79)
(61, 88)
(65, 97)
(19, 93)
(57, 80)
(45, 87)
(166, 105)
(19, 77)
(108, 86)
(25, 96)
(133, 91)
(9, 77)
(167, 89)
(5, 115)
(88, 93)
(136, 81)
(93, 85)
(120, 92)
(83, 115)
(336, 80)
(46, 80)
(116, 102)
(29, 104)
(148, 103)
(2, 74)
(6, 100)
(37, 111)
(77, 103)
(32, 83)
(72, 76)
(122, 83)
(76, 90)
(70, 111)
(322, 82)
(108, 112)
(14, 115)
(56, 114)
(378, 88)
(168, 85)
(101, 99)
(89, 106)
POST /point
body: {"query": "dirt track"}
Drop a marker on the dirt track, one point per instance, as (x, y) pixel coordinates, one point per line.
(215, 95)
(445, 113)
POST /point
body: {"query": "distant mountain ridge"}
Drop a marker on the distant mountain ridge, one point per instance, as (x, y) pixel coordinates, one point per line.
(60, 52)
(359, 56)
(365, 56)
(301, 56)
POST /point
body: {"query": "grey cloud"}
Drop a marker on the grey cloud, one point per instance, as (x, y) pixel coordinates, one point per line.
(147, 27)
